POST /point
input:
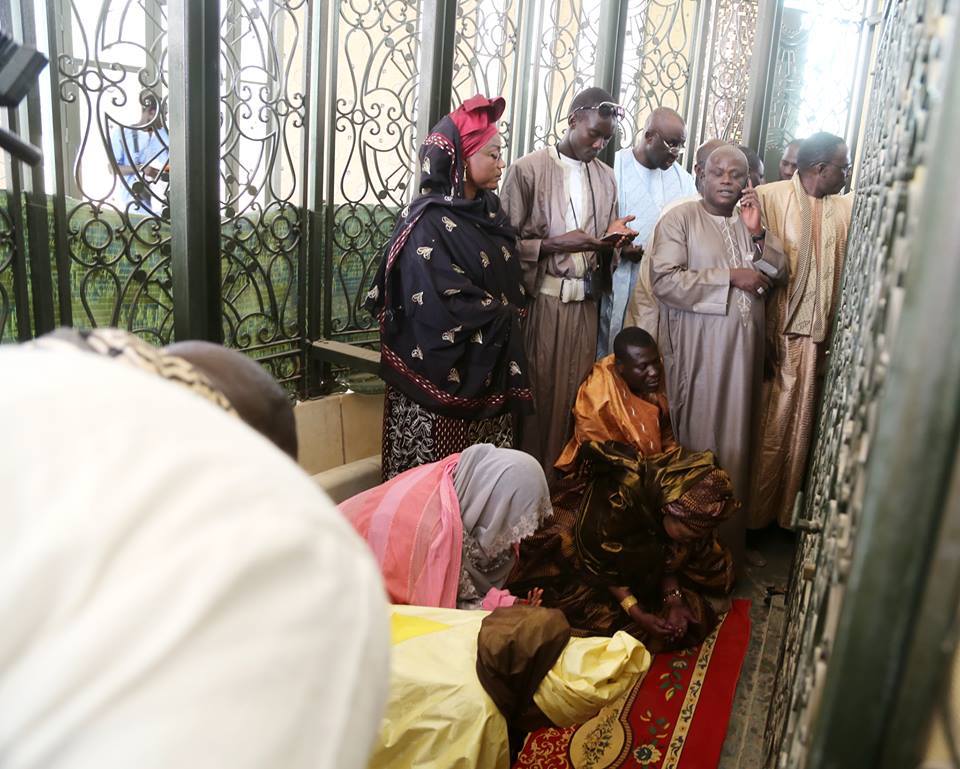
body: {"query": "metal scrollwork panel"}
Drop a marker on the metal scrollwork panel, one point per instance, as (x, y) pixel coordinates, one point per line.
(263, 81)
(111, 91)
(566, 45)
(888, 191)
(732, 32)
(787, 83)
(8, 317)
(816, 69)
(373, 133)
(486, 58)
(657, 57)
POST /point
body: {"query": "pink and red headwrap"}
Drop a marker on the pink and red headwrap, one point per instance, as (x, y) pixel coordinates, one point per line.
(476, 120)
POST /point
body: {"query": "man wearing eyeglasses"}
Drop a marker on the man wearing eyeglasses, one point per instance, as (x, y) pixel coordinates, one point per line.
(563, 203)
(648, 178)
(811, 215)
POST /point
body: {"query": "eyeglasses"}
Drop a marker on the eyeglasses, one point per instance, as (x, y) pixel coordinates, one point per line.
(844, 169)
(676, 146)
(606, 109)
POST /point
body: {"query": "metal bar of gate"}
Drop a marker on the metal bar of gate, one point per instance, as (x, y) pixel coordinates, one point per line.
(531, 25)
(314, 161)
(613, 28)
(437, 41)
(55, 28)
(194, 168)
(38, 237)
(331, 184)
(763, 65)
(860, 83)
(21, 290)
(695, 87)
(15, 210)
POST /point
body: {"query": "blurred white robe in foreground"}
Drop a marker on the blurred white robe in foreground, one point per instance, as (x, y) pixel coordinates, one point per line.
(176, 592)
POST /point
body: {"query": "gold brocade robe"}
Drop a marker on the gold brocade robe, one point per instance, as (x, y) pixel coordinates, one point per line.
(606, 410)
(814, 236)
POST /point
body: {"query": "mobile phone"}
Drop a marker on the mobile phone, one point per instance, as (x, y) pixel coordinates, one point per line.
(614, 237)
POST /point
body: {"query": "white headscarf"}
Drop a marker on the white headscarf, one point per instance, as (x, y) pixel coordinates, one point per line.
(503, 498)
(175, 591)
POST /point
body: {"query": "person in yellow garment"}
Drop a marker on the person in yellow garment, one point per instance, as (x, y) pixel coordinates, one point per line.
(811, 217)
(443, 710)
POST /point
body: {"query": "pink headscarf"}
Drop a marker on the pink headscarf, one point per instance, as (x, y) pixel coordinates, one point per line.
(447, 531)
(476, 120)
(419, 555)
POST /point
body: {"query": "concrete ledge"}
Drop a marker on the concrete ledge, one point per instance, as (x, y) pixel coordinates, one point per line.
(343, 354)
(350, 479)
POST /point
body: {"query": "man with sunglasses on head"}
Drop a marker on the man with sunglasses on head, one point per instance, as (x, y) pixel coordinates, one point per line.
(809, 213)
(563, 203)
(649, 177)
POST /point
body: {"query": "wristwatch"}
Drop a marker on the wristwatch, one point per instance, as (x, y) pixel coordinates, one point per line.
(758, 238)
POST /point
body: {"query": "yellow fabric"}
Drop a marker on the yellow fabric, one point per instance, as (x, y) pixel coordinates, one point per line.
(438, 714)
(403, 628)
(788, 212)
(590, 674)
(606, 410)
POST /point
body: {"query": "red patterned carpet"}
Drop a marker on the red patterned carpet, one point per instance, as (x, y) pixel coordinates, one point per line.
(675, 718)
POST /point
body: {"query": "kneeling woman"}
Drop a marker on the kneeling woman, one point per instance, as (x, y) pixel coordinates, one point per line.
(633, 547)
(446, 534)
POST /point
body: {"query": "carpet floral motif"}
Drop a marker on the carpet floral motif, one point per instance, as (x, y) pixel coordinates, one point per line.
(653, 725)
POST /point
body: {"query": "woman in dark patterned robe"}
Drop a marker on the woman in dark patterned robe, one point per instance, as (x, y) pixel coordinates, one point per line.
(449, 299)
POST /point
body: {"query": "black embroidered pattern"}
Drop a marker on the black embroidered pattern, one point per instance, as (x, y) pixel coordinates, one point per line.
(449, 314)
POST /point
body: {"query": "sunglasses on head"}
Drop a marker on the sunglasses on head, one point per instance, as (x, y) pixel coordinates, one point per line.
(606, 109)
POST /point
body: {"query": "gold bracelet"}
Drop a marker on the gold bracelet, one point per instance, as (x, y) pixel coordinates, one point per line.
(628, 603)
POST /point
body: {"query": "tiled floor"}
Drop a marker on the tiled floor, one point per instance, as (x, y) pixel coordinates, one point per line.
(743, 748)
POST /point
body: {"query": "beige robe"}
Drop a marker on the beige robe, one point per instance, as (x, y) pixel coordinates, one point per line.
(814, 234)
(643, 311)
(560, 337)
(711, 338)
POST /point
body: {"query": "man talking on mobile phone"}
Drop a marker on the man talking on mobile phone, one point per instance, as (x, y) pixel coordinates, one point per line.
(713, 271)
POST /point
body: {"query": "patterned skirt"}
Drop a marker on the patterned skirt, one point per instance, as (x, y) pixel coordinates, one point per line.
(413, 435)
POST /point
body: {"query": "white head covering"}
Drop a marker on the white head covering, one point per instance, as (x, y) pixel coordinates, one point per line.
(175, 591)
(503, 498)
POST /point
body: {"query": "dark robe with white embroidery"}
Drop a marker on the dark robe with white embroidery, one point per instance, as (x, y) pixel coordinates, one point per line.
(449, 297)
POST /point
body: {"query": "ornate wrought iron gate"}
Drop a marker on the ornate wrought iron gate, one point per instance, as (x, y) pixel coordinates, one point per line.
(300, 144)
(130, 244)
(873, 596)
